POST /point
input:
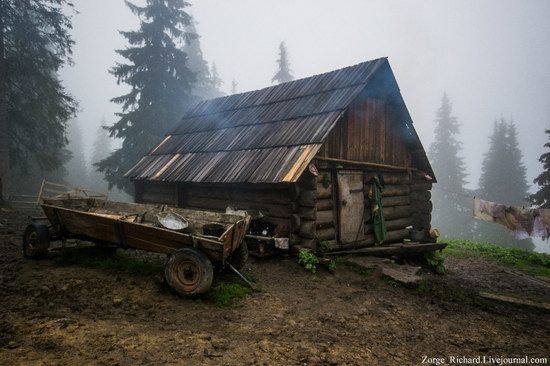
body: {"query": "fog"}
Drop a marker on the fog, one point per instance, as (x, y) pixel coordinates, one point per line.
(491, 57)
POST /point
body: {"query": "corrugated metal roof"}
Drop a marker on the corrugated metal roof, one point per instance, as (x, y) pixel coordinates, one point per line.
(262, 136)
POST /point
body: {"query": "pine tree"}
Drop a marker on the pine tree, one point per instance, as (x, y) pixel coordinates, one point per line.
(542, 197)
(451, 207)
(503, 180)
(160, 83)
(207, 83)
(233, 87)
(34, 106)
(284, 73)
(101, 149)
(77, 166)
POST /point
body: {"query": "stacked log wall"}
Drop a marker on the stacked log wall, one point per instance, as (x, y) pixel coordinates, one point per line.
(317, 211)
(396, 206)
(278, 203)
(421, 201)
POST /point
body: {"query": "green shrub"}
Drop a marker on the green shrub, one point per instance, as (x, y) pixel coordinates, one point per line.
(308, 260)
(436, 261)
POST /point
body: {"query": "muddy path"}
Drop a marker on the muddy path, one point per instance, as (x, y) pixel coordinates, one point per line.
(54, 314)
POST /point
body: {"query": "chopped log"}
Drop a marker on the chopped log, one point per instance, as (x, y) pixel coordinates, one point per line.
(324, 192)
(325, 204)
(307, 198)
(396, 201)
(421, 195)
(326, 234)
(307, 229)
(364, 164)
(324, 217)
(397, 212)
(309, 213)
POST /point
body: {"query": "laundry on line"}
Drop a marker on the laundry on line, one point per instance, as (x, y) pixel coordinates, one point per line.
(523, 222)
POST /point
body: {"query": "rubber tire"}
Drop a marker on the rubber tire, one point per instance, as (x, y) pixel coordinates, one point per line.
(36, 241)
(189, 272)
(239, 257)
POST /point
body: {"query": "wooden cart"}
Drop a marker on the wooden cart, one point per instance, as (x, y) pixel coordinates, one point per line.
(191, 253)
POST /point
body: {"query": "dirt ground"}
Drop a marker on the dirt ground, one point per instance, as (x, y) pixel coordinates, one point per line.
(65, 315)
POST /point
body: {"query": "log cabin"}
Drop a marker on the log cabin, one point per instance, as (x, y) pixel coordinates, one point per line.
(304, 153)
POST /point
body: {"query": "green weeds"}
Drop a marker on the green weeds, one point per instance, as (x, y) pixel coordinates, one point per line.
(530, 262)
(225, 293)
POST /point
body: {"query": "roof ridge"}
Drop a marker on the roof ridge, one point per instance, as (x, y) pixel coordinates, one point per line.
(191, 112)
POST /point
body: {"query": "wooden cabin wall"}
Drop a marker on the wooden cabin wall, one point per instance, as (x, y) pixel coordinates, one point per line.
(406, 201)
(156, 192)
(317, 211)
(278, 203)
(421, 202)
(369, 131)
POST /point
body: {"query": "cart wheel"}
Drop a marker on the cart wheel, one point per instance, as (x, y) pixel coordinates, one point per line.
(36, 241)
(189, 272)
(239, 257)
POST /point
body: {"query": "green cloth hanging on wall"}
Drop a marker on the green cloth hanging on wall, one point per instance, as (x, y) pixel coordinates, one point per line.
(375, 195)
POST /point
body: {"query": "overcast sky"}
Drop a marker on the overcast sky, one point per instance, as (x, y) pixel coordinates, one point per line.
(492, 57)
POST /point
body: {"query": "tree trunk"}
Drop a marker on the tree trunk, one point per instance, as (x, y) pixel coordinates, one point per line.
(4, 149)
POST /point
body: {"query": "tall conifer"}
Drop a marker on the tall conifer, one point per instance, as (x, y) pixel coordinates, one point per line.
(503, 180)
(451, 206)
(160, 81)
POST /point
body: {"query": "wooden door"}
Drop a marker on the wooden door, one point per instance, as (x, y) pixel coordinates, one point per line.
(350, 206)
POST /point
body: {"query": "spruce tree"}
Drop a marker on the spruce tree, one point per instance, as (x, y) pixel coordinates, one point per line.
(233, 86)
(503, 180)
(284, 73)
(542, 197)
(451, 206)
(34, 106)
(160, 81)
(77, 166)
(207, 82)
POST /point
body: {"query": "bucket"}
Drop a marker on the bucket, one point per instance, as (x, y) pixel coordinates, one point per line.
(212, 230)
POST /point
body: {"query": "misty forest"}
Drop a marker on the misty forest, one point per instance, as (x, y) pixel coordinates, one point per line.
(97, 95)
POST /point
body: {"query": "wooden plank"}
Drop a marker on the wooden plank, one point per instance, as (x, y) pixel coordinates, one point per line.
(351, 206)
(514, 300)
(365, 164)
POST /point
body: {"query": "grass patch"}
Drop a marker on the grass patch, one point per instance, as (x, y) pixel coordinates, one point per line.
(225, 293)
(531, 262)
(97, 257)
